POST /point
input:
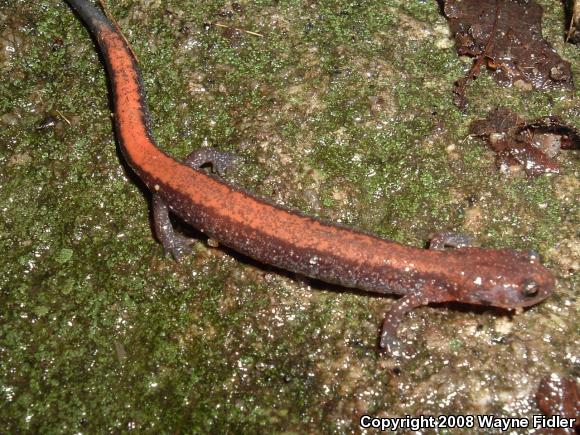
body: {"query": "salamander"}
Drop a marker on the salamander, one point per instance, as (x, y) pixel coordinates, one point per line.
(450, 270)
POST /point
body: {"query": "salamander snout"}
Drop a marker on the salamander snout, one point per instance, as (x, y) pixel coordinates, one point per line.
(531, 283)
(512, 293)
(507, 279)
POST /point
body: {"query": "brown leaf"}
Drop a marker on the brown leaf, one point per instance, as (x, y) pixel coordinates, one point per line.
(506, 36)
(532, 145)
(573, 35)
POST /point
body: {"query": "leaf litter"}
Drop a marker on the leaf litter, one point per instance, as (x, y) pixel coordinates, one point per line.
(532, 145)
(506, 37)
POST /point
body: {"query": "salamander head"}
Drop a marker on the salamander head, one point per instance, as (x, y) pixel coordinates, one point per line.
(504, 278)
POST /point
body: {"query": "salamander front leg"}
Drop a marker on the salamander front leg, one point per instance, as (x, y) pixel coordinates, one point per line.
(389, 341)
(174, 243)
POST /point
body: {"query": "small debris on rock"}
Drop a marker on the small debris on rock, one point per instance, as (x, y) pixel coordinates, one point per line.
(531, 145)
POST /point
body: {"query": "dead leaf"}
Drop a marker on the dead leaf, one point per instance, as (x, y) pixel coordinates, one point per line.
(573, 35)
(531, 145)
(505, 36)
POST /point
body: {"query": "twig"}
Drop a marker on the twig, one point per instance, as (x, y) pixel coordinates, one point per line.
(239, 30)
(62, 116)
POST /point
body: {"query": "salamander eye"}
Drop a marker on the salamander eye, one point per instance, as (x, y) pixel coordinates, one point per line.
(530, 288)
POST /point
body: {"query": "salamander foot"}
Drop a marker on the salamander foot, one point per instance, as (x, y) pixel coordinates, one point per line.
(392, 346)
(448, 239)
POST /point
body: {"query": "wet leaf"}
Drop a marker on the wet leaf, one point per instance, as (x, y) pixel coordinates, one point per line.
(505, 36)
(573, 35)
(532, 145)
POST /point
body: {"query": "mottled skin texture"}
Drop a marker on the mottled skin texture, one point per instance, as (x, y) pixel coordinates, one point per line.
(292, 241)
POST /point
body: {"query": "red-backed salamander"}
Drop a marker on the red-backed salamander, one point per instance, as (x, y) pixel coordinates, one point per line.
(290, 240)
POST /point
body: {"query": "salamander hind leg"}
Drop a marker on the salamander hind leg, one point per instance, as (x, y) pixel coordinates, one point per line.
(174, 243)
(220, 161)
(448, 239)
